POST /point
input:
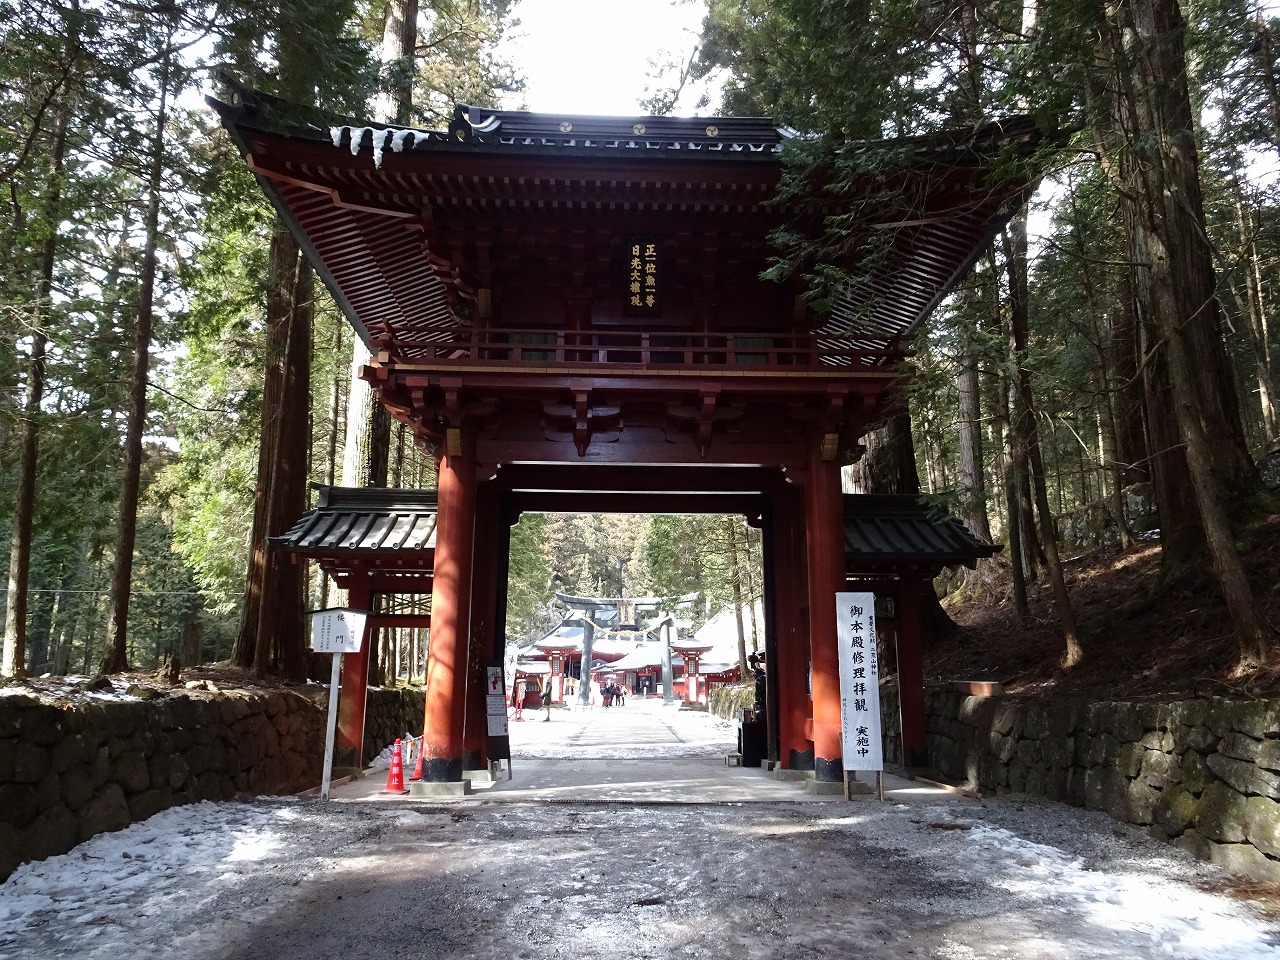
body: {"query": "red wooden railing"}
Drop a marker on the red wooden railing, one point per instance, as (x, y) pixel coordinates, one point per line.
(524, 347)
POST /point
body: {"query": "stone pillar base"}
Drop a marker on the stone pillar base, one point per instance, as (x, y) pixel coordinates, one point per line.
(427, 788)
(441, 770)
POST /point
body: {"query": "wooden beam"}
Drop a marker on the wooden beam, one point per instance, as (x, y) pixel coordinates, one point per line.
(639, 501)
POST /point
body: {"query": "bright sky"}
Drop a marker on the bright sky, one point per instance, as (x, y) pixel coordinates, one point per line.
(593, 56)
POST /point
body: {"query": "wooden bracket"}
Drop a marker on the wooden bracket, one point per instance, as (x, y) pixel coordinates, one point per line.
(830, 446)
(581, 422)
(706, 420)
(452, 389)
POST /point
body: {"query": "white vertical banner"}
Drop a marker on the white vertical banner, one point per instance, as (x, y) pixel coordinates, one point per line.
(859, 681)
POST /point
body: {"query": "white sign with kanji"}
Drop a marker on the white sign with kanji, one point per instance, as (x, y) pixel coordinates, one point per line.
(496, 702)
(337, 630)
(859, 681)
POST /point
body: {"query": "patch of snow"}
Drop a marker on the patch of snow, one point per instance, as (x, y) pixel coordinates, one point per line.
(357, 135)
(1016, 878)
(383, 760)
(1184, 922)
(176, 854)
(380, 138)
(399, 138)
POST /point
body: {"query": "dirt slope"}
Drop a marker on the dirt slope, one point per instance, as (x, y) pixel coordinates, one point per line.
(1180, 644)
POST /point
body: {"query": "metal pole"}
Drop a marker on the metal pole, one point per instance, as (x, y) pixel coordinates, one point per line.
(331, 725)
(668, 678)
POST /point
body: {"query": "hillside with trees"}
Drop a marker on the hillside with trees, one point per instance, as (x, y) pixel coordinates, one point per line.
(1096, 397)
(1121, 358)
(175, 378)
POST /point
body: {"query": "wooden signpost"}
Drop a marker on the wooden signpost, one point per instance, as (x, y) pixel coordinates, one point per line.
(336, 631)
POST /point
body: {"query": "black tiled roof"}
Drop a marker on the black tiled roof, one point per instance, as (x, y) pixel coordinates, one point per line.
(367, 520)
(485, 130)
(890, 529)
(712, 131)
(931, 219)
(376, 521)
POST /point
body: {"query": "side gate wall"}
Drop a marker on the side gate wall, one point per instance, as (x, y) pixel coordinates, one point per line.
(69, 771)
(1203, 774)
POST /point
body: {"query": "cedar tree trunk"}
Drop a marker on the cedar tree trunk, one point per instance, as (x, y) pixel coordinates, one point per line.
(115, 658)
(14, 662)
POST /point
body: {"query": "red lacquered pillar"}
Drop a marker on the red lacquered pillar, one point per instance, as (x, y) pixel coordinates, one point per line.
(824, 527)
(915, 748)
(450, 604)
(483, 620)
(788, 663)
(348, 748)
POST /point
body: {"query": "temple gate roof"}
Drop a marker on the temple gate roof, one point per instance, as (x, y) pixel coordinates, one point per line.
(362, 198)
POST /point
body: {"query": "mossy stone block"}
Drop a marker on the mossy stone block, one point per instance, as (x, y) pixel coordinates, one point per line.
(1247, 778)
(1175, 811)
(53, 832)
(1221, 814)
(1262, 824)
(1240, 746)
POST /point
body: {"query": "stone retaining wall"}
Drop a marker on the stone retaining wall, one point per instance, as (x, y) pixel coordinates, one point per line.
(70, 771)
(389, 715)
(1203, 774)
(728, 699)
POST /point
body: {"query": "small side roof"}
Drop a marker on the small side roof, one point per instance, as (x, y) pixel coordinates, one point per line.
(563, 637)
(644, 657)
(881, 530)
(371, 521)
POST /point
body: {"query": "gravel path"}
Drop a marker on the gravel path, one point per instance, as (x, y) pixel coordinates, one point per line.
(543, 881)
(539, 879)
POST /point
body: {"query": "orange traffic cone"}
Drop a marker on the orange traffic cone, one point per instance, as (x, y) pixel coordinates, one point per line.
(417, 767)
(395, 776)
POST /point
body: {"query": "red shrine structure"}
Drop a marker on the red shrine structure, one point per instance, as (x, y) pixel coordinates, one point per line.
(569, 311)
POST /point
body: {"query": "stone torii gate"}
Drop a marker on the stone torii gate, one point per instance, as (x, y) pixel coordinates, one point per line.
(570, 312)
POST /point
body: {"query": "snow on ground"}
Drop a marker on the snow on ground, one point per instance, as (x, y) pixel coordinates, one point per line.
(191, 879)
(1180, 919)
(126, 881)
(383, 760)
(1015, 879)
(67, 687)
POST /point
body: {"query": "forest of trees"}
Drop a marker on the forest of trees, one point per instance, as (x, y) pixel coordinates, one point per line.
(172, 377)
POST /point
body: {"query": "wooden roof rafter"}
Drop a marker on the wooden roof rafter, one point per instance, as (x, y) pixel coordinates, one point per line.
(939, 205)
